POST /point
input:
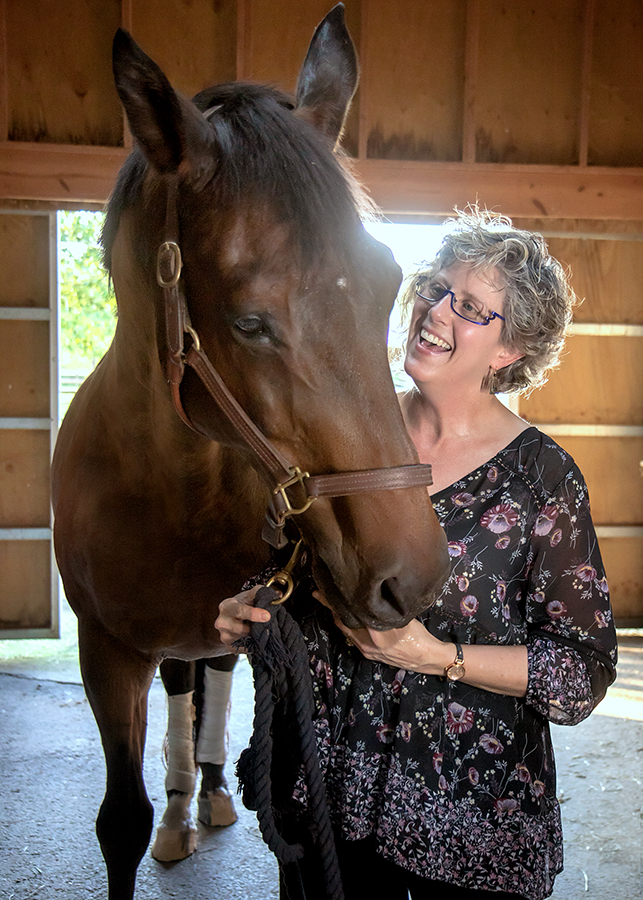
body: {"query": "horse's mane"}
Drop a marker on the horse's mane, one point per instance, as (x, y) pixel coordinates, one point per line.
(264, 154)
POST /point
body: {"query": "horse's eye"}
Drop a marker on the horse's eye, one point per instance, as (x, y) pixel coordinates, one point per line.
(253, 327)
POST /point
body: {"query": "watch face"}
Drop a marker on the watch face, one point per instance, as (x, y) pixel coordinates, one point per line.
(455, 672)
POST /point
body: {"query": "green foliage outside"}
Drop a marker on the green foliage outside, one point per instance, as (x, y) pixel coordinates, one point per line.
(87, 303)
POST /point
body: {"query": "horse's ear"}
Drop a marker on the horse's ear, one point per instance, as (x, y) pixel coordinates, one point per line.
(329, 75)
(168, 127)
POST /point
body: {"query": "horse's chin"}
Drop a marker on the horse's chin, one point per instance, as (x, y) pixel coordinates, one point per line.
(351, 615)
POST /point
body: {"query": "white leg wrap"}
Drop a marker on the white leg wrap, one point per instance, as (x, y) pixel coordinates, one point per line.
(181, 768)
(212, 746)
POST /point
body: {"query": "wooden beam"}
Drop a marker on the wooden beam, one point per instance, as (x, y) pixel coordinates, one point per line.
(520, 191)
(69, 173)
(58, 172)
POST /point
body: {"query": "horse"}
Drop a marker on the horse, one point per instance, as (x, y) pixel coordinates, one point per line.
(249, 352)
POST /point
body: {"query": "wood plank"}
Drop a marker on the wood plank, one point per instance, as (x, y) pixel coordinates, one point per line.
(194, 43)
(59, 74)
(24, 479)
(24, 375)
(607, 276)
(415, 80)
(25, 586)
(87, 174)
(430, 188)
(616, 103)
(529, 81)
(612, 472)
(24, 260)
(61, 173)
(623, 560)
(599, 382)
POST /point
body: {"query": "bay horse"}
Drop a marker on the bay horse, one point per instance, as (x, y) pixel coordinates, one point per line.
(241, 270)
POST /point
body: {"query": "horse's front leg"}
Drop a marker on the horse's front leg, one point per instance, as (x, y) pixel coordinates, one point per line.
(117, 681)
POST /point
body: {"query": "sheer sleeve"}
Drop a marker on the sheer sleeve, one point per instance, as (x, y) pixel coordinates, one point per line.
(572, 640)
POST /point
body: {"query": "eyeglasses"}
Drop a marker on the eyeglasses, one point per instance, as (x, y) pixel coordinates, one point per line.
(470, 310)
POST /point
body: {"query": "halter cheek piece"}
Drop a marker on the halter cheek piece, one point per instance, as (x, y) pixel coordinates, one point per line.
(294, 489)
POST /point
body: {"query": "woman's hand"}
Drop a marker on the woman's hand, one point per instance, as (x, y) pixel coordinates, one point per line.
(502, 670)
(236, 614)
(412, 647)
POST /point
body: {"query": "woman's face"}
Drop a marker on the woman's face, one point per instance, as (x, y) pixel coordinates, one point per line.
(444, 348)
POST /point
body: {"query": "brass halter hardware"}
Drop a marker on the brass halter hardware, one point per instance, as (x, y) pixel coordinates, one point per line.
(284, 576)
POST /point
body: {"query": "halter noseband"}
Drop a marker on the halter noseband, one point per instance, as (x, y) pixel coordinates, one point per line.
(294, 490)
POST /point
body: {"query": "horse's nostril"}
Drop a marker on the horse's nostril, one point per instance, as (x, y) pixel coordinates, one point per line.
(390, 594)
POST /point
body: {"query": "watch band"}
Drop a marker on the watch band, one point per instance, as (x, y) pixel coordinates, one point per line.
(455, 670)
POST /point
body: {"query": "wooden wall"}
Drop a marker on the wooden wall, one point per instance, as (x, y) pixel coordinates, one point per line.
(534, 109)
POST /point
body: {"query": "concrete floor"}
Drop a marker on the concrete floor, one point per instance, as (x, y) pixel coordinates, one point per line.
(52, 781)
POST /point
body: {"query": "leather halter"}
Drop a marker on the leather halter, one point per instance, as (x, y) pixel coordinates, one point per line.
(294, 489)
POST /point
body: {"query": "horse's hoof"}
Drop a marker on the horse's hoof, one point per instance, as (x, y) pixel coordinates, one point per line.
(217, 809)
(176, 836)
(172, 844)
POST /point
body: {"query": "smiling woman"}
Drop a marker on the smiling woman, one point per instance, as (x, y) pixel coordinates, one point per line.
(434, 737)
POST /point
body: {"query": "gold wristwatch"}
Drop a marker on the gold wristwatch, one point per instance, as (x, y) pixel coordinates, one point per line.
(455, 670)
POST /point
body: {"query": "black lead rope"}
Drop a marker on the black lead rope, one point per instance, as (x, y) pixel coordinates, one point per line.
(283, 703)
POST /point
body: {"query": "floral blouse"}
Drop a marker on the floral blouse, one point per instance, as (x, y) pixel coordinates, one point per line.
(457, 783)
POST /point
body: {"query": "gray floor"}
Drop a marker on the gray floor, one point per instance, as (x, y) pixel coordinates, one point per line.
(52, 780)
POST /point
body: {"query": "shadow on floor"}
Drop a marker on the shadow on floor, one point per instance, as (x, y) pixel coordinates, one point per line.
(52, 781)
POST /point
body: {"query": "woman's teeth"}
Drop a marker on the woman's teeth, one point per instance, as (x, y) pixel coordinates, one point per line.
(436, 341)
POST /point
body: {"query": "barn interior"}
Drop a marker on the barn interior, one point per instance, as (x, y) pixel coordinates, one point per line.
(533, 109)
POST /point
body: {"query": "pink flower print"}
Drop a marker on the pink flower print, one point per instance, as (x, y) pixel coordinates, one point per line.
(523, 773)
(492, 474)
(506, 805)
(491, 744)
(457, 549)
(546, 519)
(474, 776)
(442, 783)
(556, 609)
(600, 619)
(463, 582)
(585, 572)
(538, 597)
(538, 788)
(459, 718)
(506, 612)
(503, 542)
(555, 537)
(396, 687)
(385, 734)
(463, 499)
(602, 585)
(468, 605)
(323, 669)
(499, 518)
(437, 761)
(501, 590)
(405, 731)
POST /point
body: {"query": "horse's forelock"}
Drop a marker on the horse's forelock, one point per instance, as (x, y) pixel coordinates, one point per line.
(267, 153)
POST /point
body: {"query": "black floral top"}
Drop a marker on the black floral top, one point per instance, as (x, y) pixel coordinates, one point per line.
(458, 784)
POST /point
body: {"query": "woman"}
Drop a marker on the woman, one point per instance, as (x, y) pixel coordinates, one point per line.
(434, 738)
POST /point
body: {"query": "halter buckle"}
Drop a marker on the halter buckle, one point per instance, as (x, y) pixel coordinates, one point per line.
(169, 255)
(297, 477)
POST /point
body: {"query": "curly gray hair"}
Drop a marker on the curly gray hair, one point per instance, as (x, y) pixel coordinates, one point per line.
(538, 295)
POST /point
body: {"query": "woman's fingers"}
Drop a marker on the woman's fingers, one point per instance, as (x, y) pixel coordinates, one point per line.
(235, 615)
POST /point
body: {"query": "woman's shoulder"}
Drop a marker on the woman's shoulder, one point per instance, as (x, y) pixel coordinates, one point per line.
(537, 458)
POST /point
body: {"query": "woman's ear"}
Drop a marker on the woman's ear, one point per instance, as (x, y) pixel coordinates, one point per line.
(505, 357)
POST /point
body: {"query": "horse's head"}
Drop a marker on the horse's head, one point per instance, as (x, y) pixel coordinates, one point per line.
(290, 299)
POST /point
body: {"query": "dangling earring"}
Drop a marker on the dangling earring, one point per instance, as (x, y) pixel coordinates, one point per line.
(490, 382)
